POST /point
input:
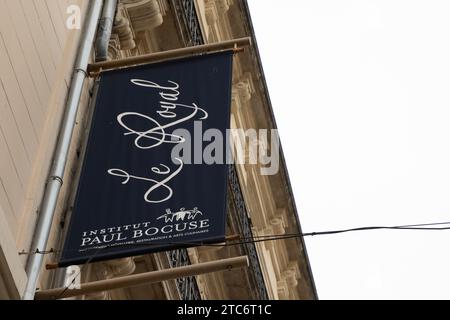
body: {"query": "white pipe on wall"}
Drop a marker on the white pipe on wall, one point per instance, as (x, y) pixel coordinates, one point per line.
(45, 219)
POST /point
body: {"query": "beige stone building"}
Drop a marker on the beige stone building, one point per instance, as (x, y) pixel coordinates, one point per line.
(37, 54)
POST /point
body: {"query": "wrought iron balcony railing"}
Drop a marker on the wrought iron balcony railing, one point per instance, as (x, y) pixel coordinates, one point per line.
(187, 287)
(245, 230)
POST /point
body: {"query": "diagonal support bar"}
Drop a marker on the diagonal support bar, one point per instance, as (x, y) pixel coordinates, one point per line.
(145, 278)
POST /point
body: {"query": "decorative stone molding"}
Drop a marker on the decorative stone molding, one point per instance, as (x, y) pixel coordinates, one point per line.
(283, 290)
(287, 285)
(295, 267)
(288, 282)
(114, 47)
(277, 226)
(224, 5)
(266, 231)
(211, 13)
(291, 278)
(215, 12)
(95, 272)
(108, 270)
(145, 14)
(164, 6)
(214, 8)
(244, 89)
(122, 27)
(193, 255)
(120, 267)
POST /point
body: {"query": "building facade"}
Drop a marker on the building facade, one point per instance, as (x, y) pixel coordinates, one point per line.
(37, 53)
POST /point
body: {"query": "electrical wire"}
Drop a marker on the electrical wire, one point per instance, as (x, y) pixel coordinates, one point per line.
(256, 239)
(262, 238)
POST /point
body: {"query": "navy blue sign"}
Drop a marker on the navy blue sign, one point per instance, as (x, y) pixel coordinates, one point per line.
(154, 174)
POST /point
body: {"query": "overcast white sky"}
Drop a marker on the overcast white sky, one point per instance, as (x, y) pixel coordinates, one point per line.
(361, 94)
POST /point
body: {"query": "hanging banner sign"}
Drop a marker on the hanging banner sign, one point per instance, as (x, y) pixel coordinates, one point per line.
(145, 185)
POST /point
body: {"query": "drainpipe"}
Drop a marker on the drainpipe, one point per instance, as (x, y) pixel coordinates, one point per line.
(104, 30)
(42, 231)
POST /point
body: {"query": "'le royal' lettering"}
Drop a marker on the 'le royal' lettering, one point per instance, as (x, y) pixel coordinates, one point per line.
(156, 135)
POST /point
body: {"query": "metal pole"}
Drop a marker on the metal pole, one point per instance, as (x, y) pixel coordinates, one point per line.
(42, 231)
(170, 54)
(104, 30)
(145, 278)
